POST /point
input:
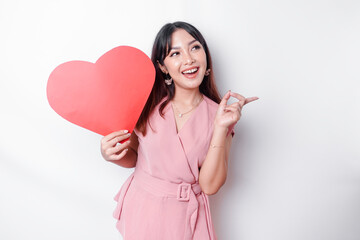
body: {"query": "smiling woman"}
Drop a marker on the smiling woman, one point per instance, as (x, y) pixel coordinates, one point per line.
(180, 145)
(186, 61)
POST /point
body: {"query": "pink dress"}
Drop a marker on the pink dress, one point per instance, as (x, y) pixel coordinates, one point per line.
(162, 199)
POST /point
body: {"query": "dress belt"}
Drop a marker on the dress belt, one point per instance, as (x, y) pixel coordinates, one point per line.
(185, 192)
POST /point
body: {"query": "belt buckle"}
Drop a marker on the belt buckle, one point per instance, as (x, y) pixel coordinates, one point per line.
(181, 188)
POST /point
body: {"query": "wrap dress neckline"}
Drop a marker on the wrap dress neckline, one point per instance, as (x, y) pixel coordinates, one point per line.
(192, 113)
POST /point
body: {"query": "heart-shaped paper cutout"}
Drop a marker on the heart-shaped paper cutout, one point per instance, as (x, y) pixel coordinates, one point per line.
(105, 96)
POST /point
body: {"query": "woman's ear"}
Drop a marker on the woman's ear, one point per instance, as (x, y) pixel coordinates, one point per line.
(162, 68)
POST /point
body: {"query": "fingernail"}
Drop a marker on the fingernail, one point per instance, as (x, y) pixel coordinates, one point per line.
(126, 131)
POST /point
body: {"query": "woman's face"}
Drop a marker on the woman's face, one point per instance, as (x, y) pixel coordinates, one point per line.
(186, 61)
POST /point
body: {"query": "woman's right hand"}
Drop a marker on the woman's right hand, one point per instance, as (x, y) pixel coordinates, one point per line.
(111, 148)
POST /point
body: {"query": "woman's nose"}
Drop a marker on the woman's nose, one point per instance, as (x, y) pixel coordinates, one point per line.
(188, 59)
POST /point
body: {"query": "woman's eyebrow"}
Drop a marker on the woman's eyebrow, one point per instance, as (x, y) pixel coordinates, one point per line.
(188, 44)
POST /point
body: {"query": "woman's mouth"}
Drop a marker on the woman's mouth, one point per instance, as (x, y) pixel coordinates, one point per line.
(191, 73)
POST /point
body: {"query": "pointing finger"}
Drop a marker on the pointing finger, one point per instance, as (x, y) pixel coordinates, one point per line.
(250, 99)
(237, 96)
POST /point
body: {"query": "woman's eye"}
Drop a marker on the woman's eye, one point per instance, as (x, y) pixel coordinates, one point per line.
(196, 47)
(174, 54)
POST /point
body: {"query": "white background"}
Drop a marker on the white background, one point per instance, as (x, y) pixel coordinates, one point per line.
(294, 171)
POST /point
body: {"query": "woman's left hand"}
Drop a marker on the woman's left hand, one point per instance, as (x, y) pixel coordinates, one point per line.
(228, 115)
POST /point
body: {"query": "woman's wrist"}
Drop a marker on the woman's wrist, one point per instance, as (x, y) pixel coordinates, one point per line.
(220, 130)
(218, 137)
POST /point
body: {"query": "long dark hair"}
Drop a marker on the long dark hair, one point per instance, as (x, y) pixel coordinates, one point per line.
(160, 50)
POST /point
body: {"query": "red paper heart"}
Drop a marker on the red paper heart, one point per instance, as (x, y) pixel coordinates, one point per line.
(106, 96)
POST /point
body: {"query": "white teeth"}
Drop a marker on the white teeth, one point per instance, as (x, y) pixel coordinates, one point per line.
(191, 70)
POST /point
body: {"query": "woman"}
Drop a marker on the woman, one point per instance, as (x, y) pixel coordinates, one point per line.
(180, 145)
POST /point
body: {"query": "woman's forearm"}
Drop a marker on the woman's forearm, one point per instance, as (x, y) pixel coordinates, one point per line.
(213, 171)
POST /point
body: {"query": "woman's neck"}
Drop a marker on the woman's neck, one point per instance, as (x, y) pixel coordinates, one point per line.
(187, 97)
